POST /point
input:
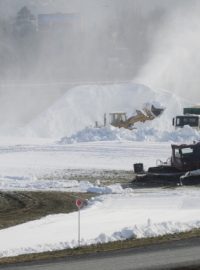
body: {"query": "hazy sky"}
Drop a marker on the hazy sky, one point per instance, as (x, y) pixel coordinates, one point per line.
(154, 42)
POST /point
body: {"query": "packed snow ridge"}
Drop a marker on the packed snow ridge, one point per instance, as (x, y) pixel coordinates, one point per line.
(143, 132)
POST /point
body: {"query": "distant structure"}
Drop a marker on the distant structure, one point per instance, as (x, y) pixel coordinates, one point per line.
(58, 22)
(25, 22)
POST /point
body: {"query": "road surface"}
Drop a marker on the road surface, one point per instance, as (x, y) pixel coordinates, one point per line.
(163, 256)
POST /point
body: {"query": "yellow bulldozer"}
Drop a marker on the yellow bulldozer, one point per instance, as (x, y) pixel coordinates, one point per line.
(120, 119)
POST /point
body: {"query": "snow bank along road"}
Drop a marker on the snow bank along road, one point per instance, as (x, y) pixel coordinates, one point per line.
(111, 217)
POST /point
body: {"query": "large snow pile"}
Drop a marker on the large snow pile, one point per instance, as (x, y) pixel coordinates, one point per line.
(80, 107)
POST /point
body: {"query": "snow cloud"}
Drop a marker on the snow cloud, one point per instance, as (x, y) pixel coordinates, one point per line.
(175, 61)
(111, 40)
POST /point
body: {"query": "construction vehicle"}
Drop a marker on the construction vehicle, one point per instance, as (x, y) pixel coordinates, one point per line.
(182, 168)
(190, 117)
(121, 120)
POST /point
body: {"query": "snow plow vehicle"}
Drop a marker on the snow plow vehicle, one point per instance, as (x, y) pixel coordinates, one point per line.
(122, 120)
(182, 168)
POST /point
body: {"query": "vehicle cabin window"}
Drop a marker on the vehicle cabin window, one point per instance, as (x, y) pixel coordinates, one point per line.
(187, 151)
(123, 118)
(192, 121)
(177, 153)
(186, 120)
(178, 121)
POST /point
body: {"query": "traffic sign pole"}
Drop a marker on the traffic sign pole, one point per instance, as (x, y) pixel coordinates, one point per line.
(79, 204)
(79, 227)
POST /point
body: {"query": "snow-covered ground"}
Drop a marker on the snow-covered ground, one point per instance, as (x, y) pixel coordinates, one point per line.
(48, 166)
(130, 213)
(114, 214)
(117, 213)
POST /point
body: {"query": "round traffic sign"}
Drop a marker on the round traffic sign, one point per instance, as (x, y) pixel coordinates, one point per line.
(79, 203)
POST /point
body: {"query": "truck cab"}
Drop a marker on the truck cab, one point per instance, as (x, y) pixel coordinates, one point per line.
(189, 120)
(190, 117)
(186, 157)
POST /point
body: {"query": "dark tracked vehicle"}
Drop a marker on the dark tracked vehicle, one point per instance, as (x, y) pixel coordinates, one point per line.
(183, 168)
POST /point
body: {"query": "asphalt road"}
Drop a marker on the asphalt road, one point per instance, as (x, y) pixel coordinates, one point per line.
(182, 253)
